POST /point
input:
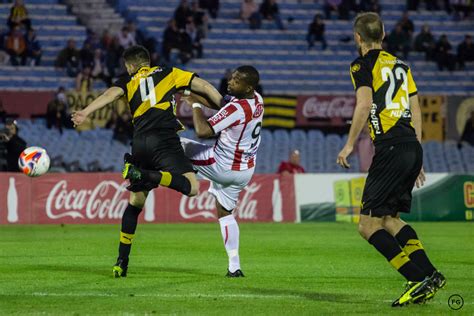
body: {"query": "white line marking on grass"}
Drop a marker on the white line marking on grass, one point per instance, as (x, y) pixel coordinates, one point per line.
(157, 295)
(189, 295)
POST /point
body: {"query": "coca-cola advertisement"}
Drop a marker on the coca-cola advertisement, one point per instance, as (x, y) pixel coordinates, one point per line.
(79, 198)
(324, 110)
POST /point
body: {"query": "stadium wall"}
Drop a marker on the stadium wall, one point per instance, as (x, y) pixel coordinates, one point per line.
(26, 103)
(92, 198)
(330, 197)
(83, 198)
(444, 117)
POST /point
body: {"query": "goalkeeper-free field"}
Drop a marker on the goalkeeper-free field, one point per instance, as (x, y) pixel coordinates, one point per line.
(322, 268)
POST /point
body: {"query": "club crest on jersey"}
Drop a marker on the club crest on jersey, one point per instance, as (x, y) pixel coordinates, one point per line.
(258, 110)
(355, 68)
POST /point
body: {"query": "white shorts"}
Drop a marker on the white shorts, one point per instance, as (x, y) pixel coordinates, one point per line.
(226, 184)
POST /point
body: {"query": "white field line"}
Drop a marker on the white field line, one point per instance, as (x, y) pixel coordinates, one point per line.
(157, 295)
(189, 295)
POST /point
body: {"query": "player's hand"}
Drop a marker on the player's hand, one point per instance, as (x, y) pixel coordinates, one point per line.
(188, 99)
(78, 117)
(342, 157)
(421, 178)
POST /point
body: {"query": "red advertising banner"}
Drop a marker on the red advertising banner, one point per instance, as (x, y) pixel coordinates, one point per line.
(324, 110)
(92, 198)
(26, 103)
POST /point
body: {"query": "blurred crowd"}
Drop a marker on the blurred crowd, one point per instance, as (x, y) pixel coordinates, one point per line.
(58, 116)
(18, 43)
(401, 40)
(99, 58)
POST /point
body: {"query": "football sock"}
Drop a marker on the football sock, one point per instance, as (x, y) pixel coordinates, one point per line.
(230, 235)
(171, 180)
(412, 246)
(129, 224)
(388, 246)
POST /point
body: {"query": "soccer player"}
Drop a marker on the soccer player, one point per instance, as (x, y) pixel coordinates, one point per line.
(387, 98)
(230, 163)
(156, 145)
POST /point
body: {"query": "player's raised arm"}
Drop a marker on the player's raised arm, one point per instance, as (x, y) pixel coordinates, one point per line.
(109, 96)
(204, 88)
(201, 125)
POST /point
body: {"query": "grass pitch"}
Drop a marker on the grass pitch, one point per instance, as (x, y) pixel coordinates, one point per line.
(311, 269)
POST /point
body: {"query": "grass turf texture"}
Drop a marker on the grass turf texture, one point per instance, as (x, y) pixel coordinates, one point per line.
(323, 268)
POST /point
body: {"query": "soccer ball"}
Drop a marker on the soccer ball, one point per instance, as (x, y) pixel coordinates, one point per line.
(34, 161)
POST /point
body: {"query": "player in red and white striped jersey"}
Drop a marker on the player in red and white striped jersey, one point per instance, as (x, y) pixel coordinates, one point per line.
(230, 163)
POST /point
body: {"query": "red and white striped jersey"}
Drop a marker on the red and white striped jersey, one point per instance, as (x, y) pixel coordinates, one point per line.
(239, 123)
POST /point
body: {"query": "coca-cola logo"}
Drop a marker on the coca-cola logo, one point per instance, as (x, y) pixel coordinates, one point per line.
(328, 107)
(106, 200)
(203, 205)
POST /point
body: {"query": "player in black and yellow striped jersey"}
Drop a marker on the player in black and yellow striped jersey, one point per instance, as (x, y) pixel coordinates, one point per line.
(156, 146)
(390, 118)
(386, 98)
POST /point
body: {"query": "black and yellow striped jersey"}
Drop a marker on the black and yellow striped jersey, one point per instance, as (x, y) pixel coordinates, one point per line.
(150, 95)
(392, 86)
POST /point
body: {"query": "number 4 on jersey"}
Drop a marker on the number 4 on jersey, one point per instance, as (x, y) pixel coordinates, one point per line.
(147, 90)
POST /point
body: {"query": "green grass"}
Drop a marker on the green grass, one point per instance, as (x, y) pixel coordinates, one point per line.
(310, 269)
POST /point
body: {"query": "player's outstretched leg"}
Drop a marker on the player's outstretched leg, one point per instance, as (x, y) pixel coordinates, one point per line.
(184, 183)
(411, 245)
(371, 229)
(127, 232)
(230, 235)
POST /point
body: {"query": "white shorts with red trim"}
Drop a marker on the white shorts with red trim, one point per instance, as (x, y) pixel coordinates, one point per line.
(226, 184)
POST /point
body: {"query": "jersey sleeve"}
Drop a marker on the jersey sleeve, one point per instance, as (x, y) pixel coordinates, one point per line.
(122, 83)
(360, 74)
(230, 115)
(412, 90)
(182, 78)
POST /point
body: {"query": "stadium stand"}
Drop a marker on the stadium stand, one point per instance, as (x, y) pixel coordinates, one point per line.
(291, 70)
(54, 25)
(95, 150)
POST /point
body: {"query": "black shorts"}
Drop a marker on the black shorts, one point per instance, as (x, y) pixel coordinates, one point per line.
(159, 150)
(391, 178)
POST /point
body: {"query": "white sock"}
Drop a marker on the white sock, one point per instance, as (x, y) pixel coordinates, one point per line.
(230, 235)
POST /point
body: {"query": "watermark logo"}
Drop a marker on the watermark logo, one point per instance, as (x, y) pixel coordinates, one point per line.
(455, 302)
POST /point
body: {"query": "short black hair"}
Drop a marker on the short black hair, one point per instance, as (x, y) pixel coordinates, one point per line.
(251, 75)
(369, 26)
(136, 55)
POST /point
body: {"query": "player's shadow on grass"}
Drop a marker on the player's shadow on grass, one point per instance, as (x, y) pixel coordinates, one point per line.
(150, 270)
(308, 295)
(71, 269)
(106, 271)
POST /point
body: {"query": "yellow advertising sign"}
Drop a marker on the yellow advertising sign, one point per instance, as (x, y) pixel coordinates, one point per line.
(357, 189)
(469, 194)
(78, 100)
(348, 197)
(432, 117)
